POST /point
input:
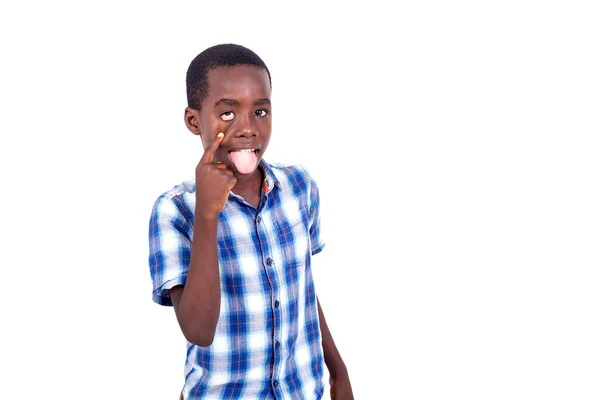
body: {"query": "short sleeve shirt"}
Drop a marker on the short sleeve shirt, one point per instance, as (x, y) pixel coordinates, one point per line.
(267, 343)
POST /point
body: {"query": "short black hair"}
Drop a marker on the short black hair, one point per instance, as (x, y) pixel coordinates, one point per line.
(221, 55)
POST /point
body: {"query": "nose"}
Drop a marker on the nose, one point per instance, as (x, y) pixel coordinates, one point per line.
(245, 126)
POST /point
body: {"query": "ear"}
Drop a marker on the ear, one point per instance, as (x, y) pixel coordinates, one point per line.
(192, 120)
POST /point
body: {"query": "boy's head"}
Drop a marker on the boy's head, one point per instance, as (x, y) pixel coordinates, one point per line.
(229, 91)
(222, 55)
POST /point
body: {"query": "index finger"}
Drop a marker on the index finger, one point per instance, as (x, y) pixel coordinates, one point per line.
(209, 152)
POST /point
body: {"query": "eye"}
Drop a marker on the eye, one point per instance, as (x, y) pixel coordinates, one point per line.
(261, 113)
(227, 115)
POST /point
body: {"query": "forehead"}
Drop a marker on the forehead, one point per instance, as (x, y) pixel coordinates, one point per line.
(238, 82)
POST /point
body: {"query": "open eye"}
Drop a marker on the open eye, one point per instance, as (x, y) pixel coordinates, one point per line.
(261, 113)
(227, 116)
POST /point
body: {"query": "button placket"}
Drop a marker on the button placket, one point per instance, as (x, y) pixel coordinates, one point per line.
(266, 241)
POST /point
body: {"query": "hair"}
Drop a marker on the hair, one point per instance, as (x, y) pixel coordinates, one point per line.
(221, 55)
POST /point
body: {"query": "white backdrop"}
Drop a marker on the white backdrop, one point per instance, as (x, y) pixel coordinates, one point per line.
(456, 148)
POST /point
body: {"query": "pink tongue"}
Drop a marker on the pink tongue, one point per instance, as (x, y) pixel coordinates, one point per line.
(244, 161)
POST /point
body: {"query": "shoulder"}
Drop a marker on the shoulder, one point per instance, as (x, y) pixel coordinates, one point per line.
(180, 189)
(292, 175)
(178, 198)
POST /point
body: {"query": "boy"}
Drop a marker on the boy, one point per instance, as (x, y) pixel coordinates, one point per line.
(231, 252)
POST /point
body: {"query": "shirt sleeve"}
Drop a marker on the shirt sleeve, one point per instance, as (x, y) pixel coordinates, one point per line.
(170, 248)
(316, 242)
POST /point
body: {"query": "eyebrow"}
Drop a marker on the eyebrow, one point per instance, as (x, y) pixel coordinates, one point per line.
(232, 102)
(262, 102)
(229, 102)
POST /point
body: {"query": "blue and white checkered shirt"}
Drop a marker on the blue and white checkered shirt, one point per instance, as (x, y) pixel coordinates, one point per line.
(268, 342)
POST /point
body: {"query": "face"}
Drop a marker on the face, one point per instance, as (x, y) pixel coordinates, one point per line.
(239, 105)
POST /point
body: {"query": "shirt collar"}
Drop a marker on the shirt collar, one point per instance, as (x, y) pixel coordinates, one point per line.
(270, 181)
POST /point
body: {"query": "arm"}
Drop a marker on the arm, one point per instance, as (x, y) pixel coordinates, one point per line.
(339, 378)
(338, 374)
(197, 304)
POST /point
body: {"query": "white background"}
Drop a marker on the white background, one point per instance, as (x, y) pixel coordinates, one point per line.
(456, 148)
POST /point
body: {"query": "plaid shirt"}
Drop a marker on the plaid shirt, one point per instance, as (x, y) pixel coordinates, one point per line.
(268, 342)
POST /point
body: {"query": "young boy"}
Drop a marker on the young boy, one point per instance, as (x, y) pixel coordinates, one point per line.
(231, 252)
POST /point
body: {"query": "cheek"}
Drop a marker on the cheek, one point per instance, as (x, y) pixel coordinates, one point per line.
(216, 124)
(265, 125)
(221, 126)
(211, 129)
(212, 123)
(221, 155)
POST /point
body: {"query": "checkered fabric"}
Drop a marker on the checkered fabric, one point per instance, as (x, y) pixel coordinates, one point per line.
(268, 342)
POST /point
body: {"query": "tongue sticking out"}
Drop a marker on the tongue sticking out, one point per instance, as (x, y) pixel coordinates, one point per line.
(244, 160)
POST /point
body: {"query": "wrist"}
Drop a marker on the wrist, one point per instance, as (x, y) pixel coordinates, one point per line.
(205, 219)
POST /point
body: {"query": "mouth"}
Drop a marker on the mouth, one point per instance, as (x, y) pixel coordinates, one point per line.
(245, 161)
(244, 150)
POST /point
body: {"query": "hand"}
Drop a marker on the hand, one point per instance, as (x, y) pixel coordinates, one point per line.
(340, 389)
(213, 182)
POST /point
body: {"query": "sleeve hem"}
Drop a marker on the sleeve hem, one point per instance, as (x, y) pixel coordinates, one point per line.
(160, 295)
(317, 249)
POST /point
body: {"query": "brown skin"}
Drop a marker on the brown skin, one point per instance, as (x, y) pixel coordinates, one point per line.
(338, 374)
(238, 104)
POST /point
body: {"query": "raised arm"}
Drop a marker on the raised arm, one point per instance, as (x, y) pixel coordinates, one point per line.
(198, 302)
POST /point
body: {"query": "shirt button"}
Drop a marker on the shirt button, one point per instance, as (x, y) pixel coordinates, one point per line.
(258, 219)
(269, 261)
(276, 303)
(275, 382)
(277, 345)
